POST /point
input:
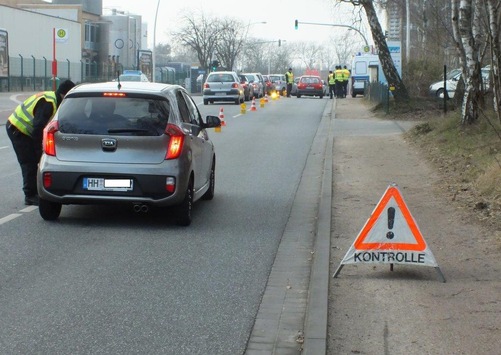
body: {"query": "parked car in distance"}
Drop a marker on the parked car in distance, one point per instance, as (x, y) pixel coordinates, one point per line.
(223, 86)
(294, 86)
(248, 88)
(437, 89)
(310, 85)
(257, 80)
(133, 75)
(140, 144)
(269, 86)
(326, 88)
(280, 83)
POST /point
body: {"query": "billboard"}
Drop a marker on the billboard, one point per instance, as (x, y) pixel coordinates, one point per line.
(4, 53)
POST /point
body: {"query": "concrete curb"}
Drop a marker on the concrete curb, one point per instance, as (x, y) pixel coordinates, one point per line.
(315, 342)
(292, 316)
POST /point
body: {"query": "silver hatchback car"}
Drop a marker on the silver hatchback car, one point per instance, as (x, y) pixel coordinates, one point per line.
(137, 143)
(223, 86)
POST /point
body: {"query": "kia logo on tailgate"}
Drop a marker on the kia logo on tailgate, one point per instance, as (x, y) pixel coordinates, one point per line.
(109, 144)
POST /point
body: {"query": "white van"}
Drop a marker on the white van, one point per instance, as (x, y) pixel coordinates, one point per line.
(365, 68)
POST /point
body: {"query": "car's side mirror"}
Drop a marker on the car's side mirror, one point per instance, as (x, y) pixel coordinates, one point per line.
(212, 121)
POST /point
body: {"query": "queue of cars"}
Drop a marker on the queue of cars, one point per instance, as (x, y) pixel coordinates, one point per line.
(232, 87)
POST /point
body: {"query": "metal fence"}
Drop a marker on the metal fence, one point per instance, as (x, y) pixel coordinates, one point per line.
(378, 93)
(35, 74)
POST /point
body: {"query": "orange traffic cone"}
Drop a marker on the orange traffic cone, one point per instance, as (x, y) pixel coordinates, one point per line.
(253, 106)
(221, 117)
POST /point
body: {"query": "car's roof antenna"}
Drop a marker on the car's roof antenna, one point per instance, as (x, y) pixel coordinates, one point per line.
(119, 86)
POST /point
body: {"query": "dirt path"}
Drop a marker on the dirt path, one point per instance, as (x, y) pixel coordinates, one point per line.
(373, 310)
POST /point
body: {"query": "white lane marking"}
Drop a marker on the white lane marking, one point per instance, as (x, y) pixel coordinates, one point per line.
(4, 147)
(13, 98)
(29, 209)
(9, 218)
(12, 216)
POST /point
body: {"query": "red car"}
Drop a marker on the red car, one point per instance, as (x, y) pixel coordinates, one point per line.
(310, 85)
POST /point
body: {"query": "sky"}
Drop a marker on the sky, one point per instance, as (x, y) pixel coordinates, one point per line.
(279, 16)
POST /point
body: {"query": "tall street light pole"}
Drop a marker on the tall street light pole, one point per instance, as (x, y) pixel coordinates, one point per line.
(154, 44)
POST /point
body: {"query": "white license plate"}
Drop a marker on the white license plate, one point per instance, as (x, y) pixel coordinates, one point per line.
(102, 184)
(222, 93)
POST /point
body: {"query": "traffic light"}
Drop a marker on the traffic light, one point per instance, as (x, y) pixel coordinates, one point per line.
(296, 24)
(214, 65)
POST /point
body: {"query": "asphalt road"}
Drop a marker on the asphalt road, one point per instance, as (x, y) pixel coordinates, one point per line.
(108, 280)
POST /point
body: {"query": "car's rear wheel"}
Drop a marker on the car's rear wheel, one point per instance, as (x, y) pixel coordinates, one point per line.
(298, 96)
(48, 210)
(206, 102)
(183, 211)
(209, 194)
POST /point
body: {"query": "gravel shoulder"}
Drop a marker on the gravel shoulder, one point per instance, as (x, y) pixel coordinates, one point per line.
(373, 310)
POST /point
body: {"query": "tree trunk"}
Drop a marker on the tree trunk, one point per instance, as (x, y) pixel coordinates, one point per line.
(494, 38)
(390, 72)
(467, 30)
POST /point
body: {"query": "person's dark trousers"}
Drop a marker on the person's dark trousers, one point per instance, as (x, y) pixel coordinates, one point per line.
(339, 89)
(28, 158)
(289, 89)
(332, 90)
(345, 87)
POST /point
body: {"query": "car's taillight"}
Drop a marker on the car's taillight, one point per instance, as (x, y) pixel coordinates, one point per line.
(48, 143)
(175, 142)
(206, 86)
(234, 85)
(47, 180)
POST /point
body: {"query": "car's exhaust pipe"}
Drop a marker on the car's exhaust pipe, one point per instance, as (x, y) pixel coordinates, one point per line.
(139, 207)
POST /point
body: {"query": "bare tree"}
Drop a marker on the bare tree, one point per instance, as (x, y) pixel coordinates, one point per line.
(308, 53)
(467, 33)
(494, 20)
(390, 72)
(231, 41)
(201, 34)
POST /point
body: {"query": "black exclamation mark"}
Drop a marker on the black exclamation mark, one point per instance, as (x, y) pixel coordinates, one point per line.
(391, 221)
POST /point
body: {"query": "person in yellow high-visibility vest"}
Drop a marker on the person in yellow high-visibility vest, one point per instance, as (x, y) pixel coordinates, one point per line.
(331, 81)
(338, 78)
(289, 79)
(346, 78)
(25, 129)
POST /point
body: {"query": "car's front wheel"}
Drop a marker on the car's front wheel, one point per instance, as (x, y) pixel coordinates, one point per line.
(440, 93)
(48, 210)
(183, 211)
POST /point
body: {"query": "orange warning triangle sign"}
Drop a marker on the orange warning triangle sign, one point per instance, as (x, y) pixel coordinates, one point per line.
(391, 226)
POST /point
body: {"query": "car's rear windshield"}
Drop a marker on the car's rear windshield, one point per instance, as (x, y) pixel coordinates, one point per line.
(139, 116)
(310, 80)
(220, 78)
(276, 78)
(130, 77)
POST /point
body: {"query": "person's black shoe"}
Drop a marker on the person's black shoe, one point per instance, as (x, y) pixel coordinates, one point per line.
(31, 200)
